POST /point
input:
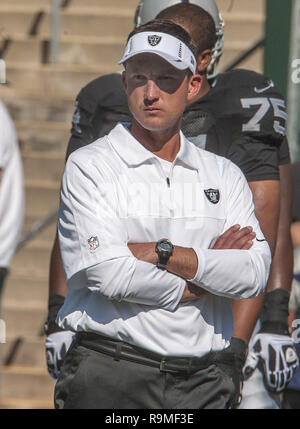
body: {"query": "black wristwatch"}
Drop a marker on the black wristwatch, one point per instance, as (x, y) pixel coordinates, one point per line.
(164, 249)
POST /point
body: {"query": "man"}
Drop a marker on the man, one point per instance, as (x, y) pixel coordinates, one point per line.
(150, 312)
(11, 193)
(226, 120)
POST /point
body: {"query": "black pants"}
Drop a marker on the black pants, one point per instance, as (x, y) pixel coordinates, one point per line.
(290, 399)
(90, 379)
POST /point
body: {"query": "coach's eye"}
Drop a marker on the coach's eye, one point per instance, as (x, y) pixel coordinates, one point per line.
(139, 77)
(165, 78)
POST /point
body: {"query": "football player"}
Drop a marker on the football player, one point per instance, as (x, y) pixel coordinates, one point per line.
(240, 115)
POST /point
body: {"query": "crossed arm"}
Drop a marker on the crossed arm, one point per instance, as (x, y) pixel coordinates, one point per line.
(184, 261)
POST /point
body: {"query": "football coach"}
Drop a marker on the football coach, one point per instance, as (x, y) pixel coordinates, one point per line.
(157, 236)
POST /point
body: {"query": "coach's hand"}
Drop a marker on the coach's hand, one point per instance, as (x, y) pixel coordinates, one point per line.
(57, 345)
(236, 238)
(279, 359)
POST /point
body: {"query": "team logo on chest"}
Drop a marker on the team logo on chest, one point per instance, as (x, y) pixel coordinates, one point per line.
(93, 243)
(213, 195)
(154, 40)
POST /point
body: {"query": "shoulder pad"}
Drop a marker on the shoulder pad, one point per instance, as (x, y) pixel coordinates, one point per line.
(247, 81)
(105, 90)
(252, 103)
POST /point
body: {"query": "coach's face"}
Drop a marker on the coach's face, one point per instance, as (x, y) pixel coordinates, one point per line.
(157, 92)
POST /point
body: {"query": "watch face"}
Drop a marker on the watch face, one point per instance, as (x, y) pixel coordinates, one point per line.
(165, 246)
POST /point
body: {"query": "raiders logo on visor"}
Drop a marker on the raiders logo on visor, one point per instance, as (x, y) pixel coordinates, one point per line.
(213, 195)
(154, 40)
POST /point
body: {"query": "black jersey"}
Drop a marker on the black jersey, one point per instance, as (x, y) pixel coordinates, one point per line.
(242, 117)
(99, 106)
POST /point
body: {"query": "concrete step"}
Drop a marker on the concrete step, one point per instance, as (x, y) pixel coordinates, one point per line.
(16, 20)
(22, 322)
(104, 21)
(41, 199)
(107, 51)
(22, 382)
(27, 3)
(73, 3)
(104, 51)
(45, 166)
(47, 233)
(7, 403)
(52, 79)
(243, 28)
(130, 4)
(28, 50)
(113, 18)
(72, 50)
(254, 62)
(34, 257)
(58, 100)
(24, 351)
(246, 6)
(37, 109)
(44, 139)
(22, 288)
(19, 20)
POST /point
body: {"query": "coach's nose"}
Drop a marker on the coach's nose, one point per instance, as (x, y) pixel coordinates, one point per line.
(151, 93)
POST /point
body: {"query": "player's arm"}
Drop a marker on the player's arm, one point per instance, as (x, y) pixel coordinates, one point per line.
(266, 197)
(273, 308)
(273, 344)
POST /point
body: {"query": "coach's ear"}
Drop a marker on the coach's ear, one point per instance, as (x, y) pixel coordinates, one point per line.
(195, 84)
(203, 61)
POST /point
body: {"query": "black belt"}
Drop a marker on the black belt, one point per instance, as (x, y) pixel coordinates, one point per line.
(120, 350)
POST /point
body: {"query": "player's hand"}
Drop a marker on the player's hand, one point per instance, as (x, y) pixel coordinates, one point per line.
(279, 358)
(192, 292)
(57, 345)
(236, 238)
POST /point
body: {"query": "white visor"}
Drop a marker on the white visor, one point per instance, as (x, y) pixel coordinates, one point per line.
(166, 46)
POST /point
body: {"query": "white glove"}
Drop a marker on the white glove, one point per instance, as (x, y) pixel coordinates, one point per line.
(278, 356)
(57, 345)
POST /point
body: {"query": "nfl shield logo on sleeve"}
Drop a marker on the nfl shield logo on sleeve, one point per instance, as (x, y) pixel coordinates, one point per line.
(213, 195)
(93, 243)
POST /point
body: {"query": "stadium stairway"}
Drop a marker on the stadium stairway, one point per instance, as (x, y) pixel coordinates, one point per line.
(40, 97)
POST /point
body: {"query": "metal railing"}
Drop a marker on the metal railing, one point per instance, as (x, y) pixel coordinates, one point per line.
(55, 31)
